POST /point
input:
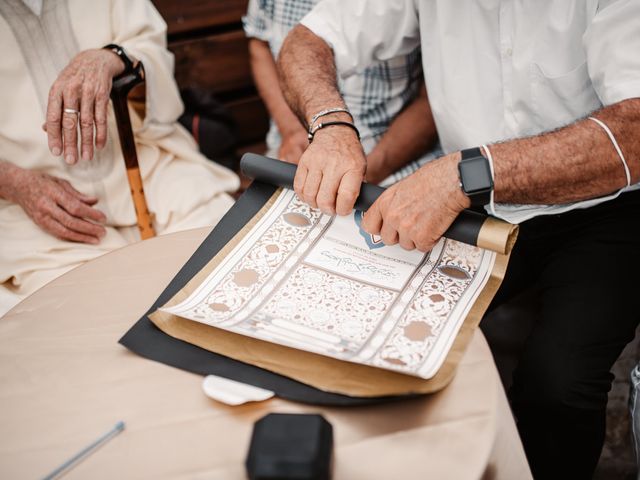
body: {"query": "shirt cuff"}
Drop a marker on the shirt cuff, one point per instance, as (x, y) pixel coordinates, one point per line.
(252, 29)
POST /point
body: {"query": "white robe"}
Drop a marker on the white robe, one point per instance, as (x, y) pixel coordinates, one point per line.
(183, 189)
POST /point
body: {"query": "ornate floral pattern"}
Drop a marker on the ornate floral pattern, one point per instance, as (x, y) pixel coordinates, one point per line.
(431, 308)
(244, 281)
(269, 292)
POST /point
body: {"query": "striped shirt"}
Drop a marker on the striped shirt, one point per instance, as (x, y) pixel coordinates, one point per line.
(374, 95)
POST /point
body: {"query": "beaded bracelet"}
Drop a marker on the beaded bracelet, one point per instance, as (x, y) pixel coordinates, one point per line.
(119, 51)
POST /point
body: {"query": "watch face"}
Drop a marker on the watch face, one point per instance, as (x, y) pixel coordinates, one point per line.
(475, 175)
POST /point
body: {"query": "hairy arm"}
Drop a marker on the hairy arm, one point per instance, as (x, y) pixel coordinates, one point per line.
(308, 74)
(332, 168)
(411, 134)
(265, 75)
(573, 163)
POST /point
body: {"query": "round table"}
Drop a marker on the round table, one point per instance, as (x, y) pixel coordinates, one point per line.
(65, 381)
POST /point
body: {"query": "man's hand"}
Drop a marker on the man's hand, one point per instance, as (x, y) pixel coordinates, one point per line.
(331, 170)
(84, 86)
(55, 206)
(293, 145)
(416, 211)
(332, 167)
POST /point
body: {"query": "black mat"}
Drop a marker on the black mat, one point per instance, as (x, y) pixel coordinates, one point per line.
(145, 339)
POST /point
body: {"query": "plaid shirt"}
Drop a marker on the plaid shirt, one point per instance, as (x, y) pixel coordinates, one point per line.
(374, 96)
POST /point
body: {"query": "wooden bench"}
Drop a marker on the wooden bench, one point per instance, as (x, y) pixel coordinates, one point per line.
(211, 52)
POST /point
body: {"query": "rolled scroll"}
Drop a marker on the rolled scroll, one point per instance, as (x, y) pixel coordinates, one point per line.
(469, 227)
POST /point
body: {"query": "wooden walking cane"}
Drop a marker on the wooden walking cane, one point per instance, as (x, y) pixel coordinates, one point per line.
(122, 85)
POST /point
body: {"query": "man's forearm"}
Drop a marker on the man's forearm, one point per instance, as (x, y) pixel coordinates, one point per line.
(573, 163)
(265, 75)
(308, 74)
(409, 136)
(331, 169)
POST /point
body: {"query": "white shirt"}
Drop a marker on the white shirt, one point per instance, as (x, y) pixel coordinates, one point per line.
(497, 69)
(374, 96)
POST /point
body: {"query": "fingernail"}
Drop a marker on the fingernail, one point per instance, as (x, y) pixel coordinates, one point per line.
(86, 156)
(56, 151)
(69, 159)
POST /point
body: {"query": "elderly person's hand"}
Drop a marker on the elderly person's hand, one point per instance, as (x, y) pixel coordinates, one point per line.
(80, 94)
(331, 170)
(416, 211)
(53, 204)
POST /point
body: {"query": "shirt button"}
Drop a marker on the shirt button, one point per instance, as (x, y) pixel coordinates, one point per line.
(508, 52)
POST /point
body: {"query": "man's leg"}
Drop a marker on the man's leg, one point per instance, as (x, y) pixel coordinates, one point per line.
(509, 318)
(589, 304)
(187, 191)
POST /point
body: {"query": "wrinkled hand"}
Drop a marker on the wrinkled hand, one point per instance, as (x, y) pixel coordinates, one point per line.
(84, 85)
(416, 211)
(293, 145)
(331, 170)
(58, 208)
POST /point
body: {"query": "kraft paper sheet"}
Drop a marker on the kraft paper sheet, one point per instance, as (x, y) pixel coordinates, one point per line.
(319, 371)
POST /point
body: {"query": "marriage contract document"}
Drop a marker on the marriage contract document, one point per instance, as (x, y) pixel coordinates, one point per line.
(317, 283)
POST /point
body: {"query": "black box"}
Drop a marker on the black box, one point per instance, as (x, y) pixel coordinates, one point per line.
(290, 447)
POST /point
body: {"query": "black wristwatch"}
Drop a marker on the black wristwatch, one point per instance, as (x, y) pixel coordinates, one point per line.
(119, 51)
(475, 177)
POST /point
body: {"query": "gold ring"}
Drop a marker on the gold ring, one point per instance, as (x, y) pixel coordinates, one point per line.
(72, 111)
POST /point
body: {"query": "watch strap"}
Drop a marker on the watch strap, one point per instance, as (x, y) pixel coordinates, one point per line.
(470, 153)
(119, 51)
(477, 198)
